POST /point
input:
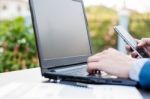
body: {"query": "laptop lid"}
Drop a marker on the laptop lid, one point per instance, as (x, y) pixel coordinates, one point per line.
(61, 32)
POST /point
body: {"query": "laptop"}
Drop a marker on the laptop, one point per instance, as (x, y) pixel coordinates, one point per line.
(63, 42)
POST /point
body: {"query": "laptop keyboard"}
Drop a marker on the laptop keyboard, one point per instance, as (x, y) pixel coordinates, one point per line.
(77, 71)
(82, 71)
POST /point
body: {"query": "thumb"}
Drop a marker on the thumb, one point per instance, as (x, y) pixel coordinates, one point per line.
(144, 41)
(141, 44)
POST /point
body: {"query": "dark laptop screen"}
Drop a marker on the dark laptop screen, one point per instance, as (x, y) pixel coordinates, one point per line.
(61, 27)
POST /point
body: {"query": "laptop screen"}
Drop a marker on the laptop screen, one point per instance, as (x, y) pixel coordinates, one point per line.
(61, 28)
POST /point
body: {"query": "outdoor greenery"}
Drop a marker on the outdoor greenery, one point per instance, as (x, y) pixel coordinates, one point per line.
(17, 42)
(17, 45)
(101, 22)
(140, 25)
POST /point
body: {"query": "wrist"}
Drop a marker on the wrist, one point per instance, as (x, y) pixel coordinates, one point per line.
(130, 63)
(136, 67)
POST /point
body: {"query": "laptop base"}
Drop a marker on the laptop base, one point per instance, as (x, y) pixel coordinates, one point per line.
(90, 79)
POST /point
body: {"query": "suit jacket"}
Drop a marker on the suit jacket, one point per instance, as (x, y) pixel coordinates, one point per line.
(144, 76)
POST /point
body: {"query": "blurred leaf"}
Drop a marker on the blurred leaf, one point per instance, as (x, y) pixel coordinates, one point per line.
(18, 45)
(101, 21)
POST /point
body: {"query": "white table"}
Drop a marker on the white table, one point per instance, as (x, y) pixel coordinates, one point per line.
(34, 76)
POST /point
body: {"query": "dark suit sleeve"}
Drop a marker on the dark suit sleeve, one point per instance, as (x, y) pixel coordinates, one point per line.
(144, 76)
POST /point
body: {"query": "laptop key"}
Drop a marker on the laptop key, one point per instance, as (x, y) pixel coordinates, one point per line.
(75, 71)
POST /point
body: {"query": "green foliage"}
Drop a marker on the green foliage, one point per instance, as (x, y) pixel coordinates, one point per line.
(17, 45)
(140, 25)
(101, 21)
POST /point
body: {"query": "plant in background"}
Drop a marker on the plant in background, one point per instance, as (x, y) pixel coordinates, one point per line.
(101, 22)
(140, 25)
(17, 45)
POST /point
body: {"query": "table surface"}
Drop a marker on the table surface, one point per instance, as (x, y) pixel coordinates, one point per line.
(34, 76)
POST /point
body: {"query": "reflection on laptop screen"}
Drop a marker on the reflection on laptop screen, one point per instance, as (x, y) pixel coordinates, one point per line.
(61, 28)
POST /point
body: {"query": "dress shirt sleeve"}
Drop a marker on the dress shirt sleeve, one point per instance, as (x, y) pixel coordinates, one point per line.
(136, 68)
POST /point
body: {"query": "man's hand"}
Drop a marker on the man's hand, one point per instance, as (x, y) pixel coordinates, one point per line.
(144, 43)
(112, 62)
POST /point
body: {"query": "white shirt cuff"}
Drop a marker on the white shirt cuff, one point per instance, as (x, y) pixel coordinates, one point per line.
(136, 68)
